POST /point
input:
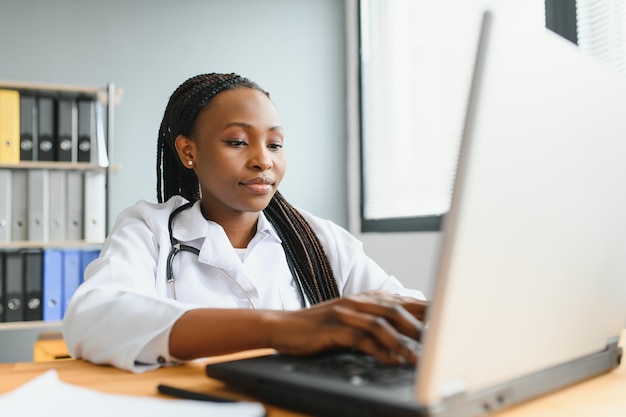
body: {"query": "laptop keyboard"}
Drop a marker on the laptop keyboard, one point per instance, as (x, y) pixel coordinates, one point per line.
(358, 369)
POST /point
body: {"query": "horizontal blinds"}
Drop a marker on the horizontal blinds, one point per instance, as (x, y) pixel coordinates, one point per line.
(601, 30)
(408, 160)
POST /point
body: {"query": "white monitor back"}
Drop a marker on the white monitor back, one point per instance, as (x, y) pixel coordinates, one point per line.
(533, 260)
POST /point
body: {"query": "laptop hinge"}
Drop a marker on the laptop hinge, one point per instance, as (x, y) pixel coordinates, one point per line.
(464, 403)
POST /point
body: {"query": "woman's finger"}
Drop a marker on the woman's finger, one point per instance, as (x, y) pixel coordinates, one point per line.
(413, 305)
(372, 334)
(395, 314)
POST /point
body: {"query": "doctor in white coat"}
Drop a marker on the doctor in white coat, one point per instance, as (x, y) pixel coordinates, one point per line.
(223, 262)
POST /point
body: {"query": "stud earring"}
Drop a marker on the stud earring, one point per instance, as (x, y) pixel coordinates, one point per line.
(190, 163)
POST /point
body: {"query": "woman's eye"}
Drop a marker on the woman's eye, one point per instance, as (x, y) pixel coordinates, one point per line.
(237, 143)
(275, 146)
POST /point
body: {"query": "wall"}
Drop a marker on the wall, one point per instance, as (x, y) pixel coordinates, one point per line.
(294, 49)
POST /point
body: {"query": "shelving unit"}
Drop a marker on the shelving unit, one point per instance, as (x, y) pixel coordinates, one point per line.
(17, 337)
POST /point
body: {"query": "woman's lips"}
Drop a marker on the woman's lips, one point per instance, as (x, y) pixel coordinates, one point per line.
(259, 185)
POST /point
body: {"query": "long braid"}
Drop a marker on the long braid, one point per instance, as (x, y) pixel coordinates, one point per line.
(311, 264)
(303, 250)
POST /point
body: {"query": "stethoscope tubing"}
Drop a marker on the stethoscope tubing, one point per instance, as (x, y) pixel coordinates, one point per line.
(177, 247)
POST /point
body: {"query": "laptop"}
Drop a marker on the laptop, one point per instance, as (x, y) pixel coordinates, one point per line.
(530, 292)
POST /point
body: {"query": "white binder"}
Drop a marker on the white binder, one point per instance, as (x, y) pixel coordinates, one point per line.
(38, 205)
(58, 205)
(99, 155)
(74, 195)
(19, 208)
(6, 185)
(95, 206)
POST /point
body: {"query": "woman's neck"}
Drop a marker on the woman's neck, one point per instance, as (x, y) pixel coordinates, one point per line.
(239, 227)
(239, 235)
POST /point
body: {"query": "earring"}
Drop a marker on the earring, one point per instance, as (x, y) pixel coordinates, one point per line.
(190, 163)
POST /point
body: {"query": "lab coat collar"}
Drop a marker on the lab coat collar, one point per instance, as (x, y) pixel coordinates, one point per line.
(190, 225)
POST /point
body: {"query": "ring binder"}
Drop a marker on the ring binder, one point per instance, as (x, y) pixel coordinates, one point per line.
(47, 136)
(28, 139)
(9, 126)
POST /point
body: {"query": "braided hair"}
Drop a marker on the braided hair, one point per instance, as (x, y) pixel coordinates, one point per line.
(305, 255)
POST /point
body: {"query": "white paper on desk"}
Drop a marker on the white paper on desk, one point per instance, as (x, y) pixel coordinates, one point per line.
(46, 395)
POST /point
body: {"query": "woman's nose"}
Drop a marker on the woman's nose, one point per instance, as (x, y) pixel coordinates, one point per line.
(261, 158)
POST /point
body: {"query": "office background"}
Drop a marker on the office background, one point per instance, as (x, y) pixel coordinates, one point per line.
(301, 51)
(294, 49)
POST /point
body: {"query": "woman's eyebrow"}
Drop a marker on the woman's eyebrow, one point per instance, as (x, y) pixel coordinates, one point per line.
(244, 125)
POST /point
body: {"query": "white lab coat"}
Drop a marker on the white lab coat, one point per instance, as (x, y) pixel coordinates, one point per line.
(124, 311)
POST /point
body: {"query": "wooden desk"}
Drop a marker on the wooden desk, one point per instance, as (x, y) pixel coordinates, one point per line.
(110, 379)
(602, 396)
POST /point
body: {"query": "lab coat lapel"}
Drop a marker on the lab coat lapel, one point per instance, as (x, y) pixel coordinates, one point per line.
(191, 228)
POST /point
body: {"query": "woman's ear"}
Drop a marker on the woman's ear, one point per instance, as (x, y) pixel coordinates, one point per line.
(186, 149)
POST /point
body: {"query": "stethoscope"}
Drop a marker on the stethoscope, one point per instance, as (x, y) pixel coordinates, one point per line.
(177, 247)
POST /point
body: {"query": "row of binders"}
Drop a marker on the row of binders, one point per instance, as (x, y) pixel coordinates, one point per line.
(52, 205)
(37, 284)
(51, 126)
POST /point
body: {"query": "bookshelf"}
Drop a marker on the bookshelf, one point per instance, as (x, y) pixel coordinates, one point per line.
(54, 179)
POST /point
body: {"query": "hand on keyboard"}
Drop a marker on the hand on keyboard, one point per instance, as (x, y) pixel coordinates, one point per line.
(380, 324)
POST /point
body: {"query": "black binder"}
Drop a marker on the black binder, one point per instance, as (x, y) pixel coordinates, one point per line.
(2, 275)
(33, 284)
(47, 133)
(66, 128)
(14, 287)
(86, 129)
(28, 142)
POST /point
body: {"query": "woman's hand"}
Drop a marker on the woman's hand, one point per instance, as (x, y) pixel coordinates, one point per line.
(381, 324)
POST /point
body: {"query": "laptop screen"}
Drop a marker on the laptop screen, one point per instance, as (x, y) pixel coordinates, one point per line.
(534, 255)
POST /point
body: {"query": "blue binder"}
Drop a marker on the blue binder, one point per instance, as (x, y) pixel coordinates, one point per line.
(87, 256)
(52, 284)
(71, 274)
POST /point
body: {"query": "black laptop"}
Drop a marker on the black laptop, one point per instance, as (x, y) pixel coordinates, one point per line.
(530, 292)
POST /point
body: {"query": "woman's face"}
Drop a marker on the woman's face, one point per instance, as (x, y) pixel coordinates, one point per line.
(237, 153)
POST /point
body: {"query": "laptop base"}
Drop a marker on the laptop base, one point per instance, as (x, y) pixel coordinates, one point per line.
(268, 378)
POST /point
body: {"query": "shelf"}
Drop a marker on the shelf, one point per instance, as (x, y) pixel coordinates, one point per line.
(77, 166)
(101, 93)
(28, 325)
(29, 244)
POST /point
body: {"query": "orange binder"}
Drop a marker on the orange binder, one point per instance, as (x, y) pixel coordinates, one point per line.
(9, 126)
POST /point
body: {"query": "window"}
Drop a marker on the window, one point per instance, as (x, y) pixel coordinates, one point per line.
(415, 68)
(601, 31)
(408, 151)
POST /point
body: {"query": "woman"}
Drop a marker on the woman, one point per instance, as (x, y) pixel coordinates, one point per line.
(223, 263)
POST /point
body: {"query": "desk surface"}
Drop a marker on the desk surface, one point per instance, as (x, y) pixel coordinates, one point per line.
(602, 396)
